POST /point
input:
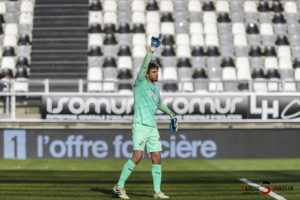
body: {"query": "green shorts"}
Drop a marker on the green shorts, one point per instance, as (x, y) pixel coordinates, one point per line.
(145, 135)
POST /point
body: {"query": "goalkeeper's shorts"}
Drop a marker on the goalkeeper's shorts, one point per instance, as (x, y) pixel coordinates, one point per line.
(143, 135)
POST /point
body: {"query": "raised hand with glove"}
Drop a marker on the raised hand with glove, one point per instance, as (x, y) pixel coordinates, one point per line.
(155, 43)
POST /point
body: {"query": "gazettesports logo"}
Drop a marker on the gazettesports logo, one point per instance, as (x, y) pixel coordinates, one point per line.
(265, 188)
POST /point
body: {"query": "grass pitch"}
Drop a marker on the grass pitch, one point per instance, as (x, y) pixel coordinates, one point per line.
(184, 179)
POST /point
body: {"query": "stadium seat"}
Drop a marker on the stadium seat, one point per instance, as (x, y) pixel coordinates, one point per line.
(94, 74)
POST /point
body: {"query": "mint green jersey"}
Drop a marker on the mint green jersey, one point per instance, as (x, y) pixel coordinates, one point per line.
(146, 97)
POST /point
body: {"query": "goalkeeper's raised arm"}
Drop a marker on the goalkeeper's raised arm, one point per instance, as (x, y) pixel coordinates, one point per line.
(155, 42)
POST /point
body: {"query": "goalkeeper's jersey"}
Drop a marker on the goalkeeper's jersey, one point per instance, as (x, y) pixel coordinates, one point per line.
(146, 97)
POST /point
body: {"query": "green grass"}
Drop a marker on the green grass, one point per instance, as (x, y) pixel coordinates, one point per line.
(182, 179)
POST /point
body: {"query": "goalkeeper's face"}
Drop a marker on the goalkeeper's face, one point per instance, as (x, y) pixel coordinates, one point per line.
(152, 75)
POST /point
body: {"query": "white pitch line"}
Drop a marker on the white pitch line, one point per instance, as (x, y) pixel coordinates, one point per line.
(260, 188)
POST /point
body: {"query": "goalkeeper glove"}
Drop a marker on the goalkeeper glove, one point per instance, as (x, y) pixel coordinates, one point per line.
(174, 125)
(155, 42)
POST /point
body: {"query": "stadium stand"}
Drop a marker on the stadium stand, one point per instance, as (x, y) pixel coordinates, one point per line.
(224, 45)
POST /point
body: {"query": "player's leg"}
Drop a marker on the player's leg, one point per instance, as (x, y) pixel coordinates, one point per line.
(154, 146)
(137, 136)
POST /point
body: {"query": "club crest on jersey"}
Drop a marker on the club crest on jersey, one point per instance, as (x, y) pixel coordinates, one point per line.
(150, 93)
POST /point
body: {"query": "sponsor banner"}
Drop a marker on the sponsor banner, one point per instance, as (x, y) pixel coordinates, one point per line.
(189, 108)
(117, 144)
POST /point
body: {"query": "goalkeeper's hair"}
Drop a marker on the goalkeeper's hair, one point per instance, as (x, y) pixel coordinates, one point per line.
(152, 65)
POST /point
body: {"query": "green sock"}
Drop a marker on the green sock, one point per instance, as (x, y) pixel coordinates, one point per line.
(127, 169)
(156, 175)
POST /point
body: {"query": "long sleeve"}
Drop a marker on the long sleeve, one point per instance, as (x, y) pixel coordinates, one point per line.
(144, 68)
(162, 107)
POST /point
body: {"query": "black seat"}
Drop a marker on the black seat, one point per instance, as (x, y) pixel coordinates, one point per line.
(24, 40)
(213, 51)
(152, 5)
(21, 72)
(252, 28)
(270, 51)
(282, 40)
(109, 29)
(170, 87)
(95, 51)
(199, 73)
(277, 6)
(124, 51)
(198, 51)
(227, 62)
(278, 18)
(208, 6)
(167, 17)
(255, 51)
(22, 61)
(273, 73)
(124, 28)
(296, 63)
(125, 86)
(168, 51)
(258, 73)
(8, 51)
(6, 72)
(138, 28)
(224, 18)
(109, 62)
(168, 40)
(184, 62)
(110, 39)
(95, 5)
(95, 28)
(125, 74)
(263, 6)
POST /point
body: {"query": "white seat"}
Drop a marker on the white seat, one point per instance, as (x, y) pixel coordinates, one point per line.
(273, 85)
(153, 29)
(139, 51)
(243, 68)
(210, 28)
(182, 39)
(212, 40)
(196, 28)
(183, 51)
(222, 6)
(238, 28)
(242, 62)
(285, 63)
(290, 7)
(26, 6)
(11, 29)
(186, 85)
(109, 5)
(95, 39)
(110, 17)
(125, 62)
(10, 40)
(166, 6)
(209, 17)
(271, 63)
(95, 17)
(138, 17)
(152, 16)
(284, 51)
(228, 74)
(250, 6)
(194, 6)
(2, 7)
(215, 86)
(8, 63)
(94, 74)
(137, 5)
(260, 85)
(109, 85)
(297, 74)
(197, 40)
(170, 73)
(239, 40)
(289, 86)
(139, 39)
(167, 28)
(266, 29)
(26, 18)
(21, 85)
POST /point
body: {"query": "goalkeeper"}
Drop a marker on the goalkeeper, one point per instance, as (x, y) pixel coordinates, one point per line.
(144, 128)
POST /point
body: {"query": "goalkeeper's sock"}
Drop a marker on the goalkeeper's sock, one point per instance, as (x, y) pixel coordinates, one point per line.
(127, 170)
(156, 175)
